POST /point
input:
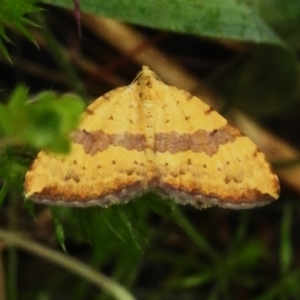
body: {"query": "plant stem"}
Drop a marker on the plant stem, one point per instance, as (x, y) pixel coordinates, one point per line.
(101, 281)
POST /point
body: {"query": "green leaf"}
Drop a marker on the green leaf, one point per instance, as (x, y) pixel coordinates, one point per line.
(284, 18)
(215, 18)
(111, 227)
(11, 170)
(169, 209)
(12, 13)
(59, 231)
(29, 205)
(3, 191)
(126, 225)
(44, 123)
(18, 98)
(124, 219)
(3, 49)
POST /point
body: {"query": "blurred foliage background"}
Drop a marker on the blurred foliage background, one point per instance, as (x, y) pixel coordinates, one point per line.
(241, 57)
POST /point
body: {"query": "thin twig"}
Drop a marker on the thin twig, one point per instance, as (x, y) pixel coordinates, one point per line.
(101, 281)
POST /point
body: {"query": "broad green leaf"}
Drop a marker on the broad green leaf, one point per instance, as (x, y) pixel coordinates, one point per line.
(284, 18)
(215, 18)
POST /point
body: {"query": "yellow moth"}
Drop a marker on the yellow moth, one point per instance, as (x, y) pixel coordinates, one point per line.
(149, 135)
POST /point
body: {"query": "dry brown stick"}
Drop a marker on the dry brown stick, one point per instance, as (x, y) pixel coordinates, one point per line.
(126, 40)
(275, 148)
(34, 68)
(83, 63)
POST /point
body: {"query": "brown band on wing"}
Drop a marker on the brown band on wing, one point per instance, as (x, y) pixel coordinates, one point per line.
(200, 141)
(173, 142)
(54, 196)
(248, 199)
(98, 141)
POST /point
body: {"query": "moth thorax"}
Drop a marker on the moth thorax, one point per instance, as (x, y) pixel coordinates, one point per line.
(149, 120)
